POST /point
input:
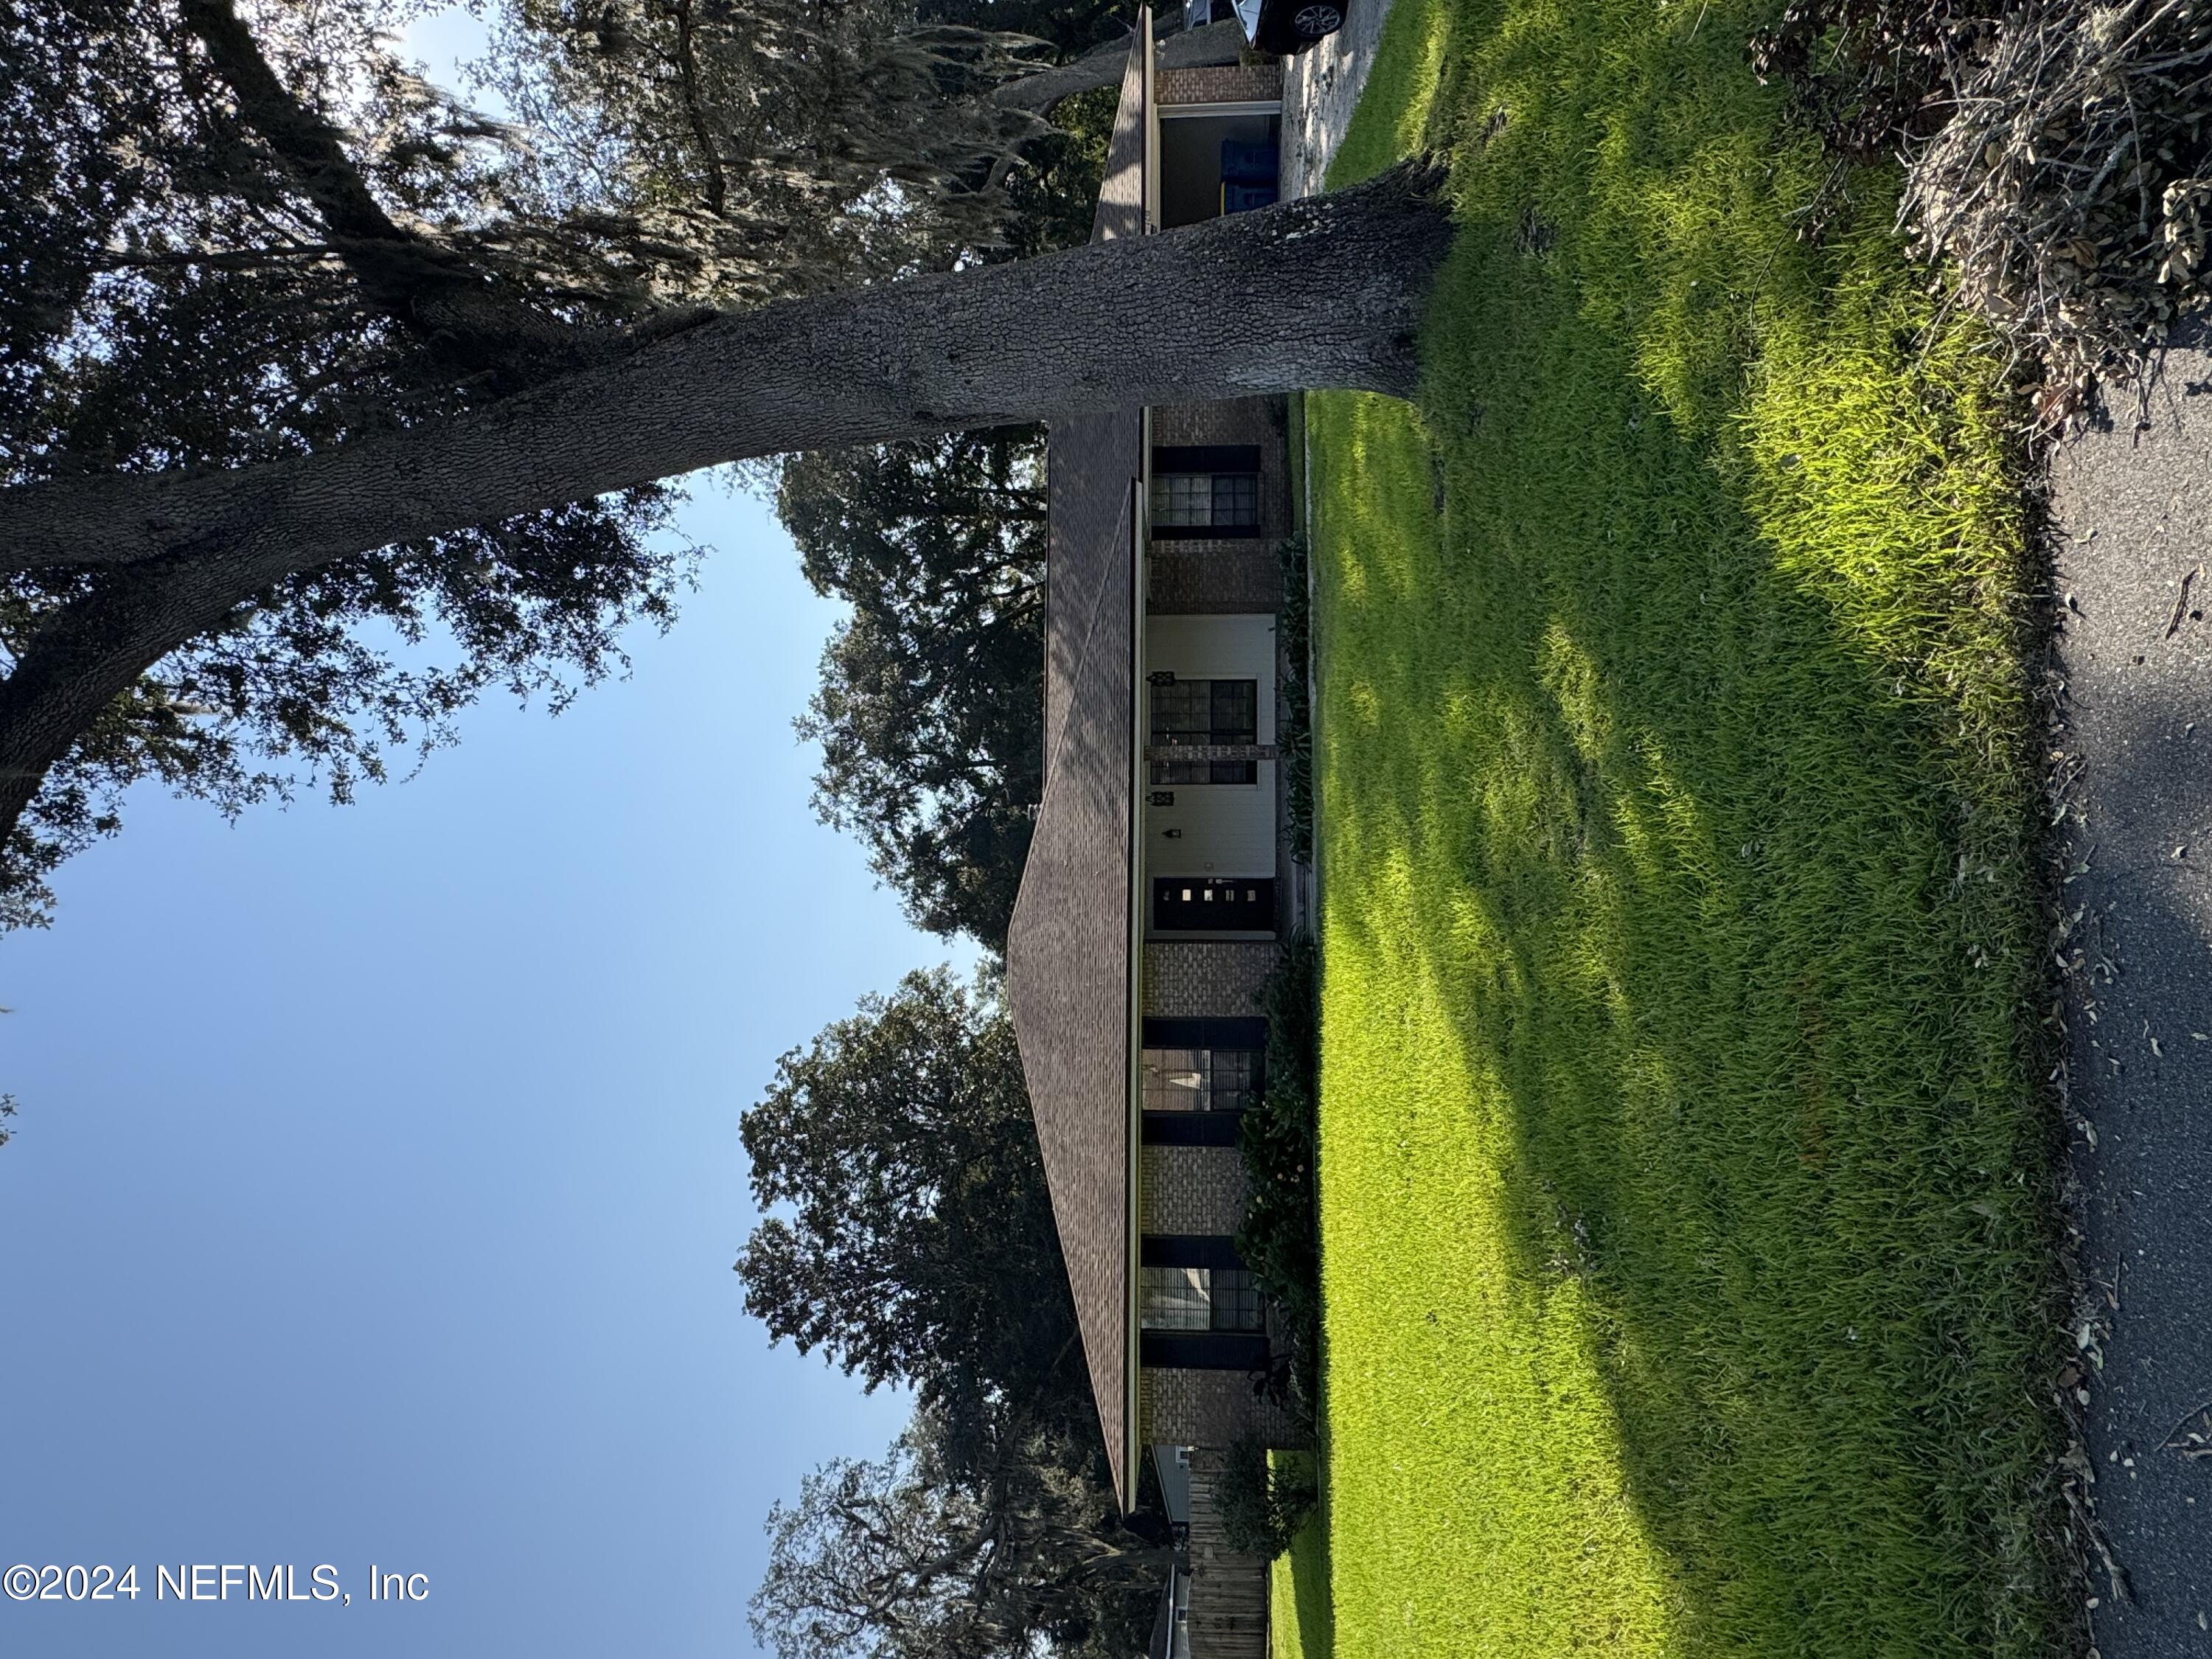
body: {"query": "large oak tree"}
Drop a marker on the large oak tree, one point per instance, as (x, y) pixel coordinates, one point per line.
(307, 374)
(908, 1235)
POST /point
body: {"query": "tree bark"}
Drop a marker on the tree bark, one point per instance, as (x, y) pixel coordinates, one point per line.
(1103, 66)
(1325, 292)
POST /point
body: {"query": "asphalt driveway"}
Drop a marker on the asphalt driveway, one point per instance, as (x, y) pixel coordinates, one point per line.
(2133, 547)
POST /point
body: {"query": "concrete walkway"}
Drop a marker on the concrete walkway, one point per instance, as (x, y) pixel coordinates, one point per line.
(2133, 514)
(1320, 86)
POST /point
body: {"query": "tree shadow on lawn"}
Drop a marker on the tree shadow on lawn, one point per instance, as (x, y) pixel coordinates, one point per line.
(1725, 935)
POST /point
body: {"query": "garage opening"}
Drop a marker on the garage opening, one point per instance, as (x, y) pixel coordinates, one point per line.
(1218, 159)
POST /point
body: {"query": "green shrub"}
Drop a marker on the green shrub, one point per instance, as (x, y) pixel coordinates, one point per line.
(1262, 1510)
(1280, 1238)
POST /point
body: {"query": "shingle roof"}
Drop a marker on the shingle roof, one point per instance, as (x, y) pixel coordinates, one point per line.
(1122, 191)
(1070, 948)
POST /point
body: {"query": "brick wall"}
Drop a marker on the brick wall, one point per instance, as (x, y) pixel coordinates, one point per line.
(1242, 575)
(1212, 578)
(1206, 979)
(1219, 83)
(1191, 1189)
(1203, 1409)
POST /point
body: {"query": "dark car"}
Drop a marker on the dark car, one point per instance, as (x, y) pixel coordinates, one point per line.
(1278, 25)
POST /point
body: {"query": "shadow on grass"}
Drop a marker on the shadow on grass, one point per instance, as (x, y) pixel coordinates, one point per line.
(1300, 1626)
(1687, 1243)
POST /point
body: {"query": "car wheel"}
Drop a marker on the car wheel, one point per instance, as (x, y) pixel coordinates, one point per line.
(1312, 22)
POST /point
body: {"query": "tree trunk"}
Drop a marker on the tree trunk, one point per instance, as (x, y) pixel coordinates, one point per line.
(1103, 66)
(1325, 292)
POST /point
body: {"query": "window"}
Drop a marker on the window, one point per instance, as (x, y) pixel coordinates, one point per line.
(1236, 1301)
(1206, 500)
(1200, 1075)
(1205, 711)
(1205, 491)
(1214, 903)
(1176, 1299)
(1199, 1079)
(1200, 1299)
(1195, 712)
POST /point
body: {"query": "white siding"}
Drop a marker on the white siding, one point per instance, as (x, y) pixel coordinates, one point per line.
(1228, 829)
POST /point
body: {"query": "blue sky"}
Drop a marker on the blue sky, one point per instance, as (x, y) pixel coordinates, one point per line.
(377, 1180)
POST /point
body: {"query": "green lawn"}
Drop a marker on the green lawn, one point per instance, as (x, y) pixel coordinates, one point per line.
(1298, 1626)
(1684, 1187)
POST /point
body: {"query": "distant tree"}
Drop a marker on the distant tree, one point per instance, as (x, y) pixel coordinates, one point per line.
(917, 1556)
(908, 1232)
(1052, 197)
(930, 713)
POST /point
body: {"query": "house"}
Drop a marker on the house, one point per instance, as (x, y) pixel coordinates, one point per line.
(1159, 889)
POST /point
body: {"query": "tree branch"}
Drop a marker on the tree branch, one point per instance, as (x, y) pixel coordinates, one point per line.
(718, 190)
(427, 289)
(1103, 66)
(1323, 292)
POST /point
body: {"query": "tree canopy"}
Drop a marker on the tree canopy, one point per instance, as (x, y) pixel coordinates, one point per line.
(908, 1234)
(907, 1230)
(917, 1555)
(231, 241)
(930, 714)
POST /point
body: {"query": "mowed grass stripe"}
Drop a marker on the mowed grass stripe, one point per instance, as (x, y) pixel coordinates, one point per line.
(1684, 1188)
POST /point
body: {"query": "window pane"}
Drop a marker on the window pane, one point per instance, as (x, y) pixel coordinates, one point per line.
(1177, 1080)
(1236, 1301)
(1182, 711)
(1236, 498)
(1229, 1078)
(1176, 1299)
(1234, 714)
(1182, 500)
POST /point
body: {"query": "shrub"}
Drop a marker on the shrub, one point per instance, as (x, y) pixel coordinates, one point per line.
(1262, 1510)
(1280, 1238)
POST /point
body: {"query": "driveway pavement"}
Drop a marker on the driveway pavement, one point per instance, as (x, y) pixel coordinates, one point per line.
(1320, 86)
(2133, 513)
